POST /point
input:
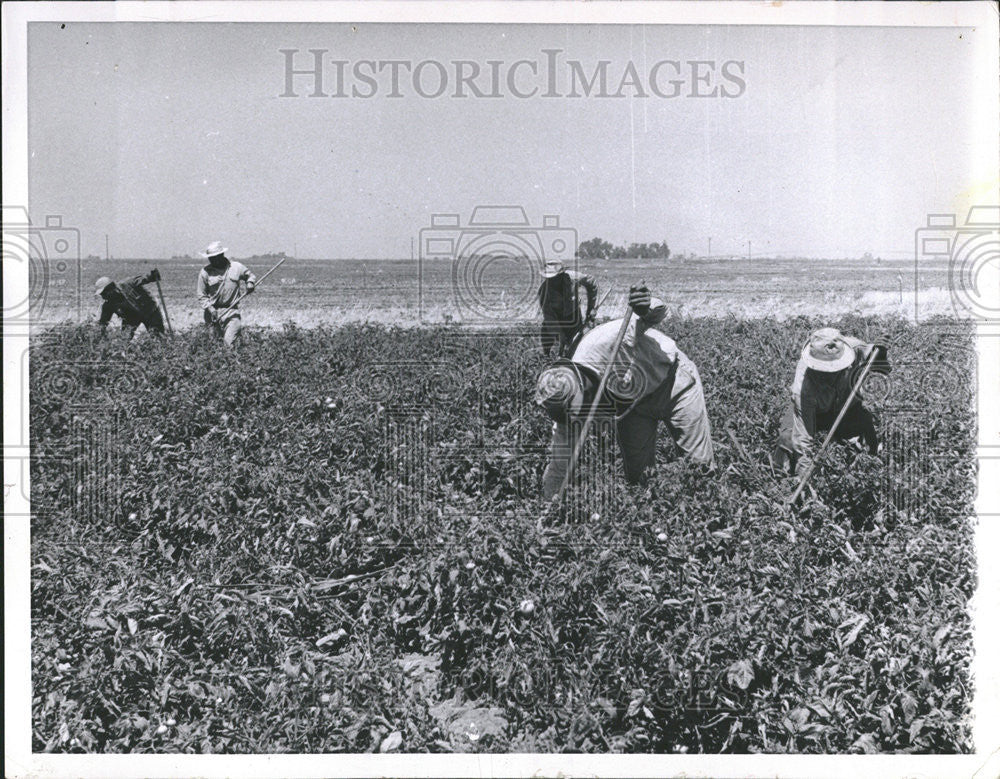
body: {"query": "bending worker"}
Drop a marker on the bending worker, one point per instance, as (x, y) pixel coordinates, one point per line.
(559, 298)
(218, 288)
(131, 303)
(651, 381)
(827, 371)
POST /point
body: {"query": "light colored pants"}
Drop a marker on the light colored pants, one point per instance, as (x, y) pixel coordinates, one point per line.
(686, 419)
(228, 328)
(684, 414)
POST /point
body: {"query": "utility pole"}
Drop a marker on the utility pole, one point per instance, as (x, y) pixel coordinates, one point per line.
(107, 250)
(749, 250)
(710, 246)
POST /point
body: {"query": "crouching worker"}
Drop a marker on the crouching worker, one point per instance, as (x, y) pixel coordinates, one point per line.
(651, 381)
(830, 365)
(218, 290)
(131, 303)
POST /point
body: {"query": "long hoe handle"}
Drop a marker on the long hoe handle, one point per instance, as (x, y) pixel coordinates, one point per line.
(833, 428)
(582, 439)
(259, 281)
(163, 303)
(604, 297)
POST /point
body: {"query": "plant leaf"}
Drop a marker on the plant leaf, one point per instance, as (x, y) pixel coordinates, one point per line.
(393, 741)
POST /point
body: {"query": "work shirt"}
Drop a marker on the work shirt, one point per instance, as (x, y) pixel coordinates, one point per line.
(132, 303)
(219, 287)
(652, 380)
(647, 358)
(559, 297)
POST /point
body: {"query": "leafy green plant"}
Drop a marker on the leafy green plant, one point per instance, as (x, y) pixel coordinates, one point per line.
(323, 544)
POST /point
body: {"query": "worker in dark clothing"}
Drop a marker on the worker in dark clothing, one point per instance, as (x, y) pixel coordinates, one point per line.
(559, 298)
(827, 371)
(131, 302)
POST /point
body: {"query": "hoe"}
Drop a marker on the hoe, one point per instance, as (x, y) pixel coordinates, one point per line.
(582, 438)
(259, 281)
(833, 428)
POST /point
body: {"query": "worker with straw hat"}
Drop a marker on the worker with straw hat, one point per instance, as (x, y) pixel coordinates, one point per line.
(651, 380)
(828, 368)
(559, 299)
(130, 302)
(219, 292)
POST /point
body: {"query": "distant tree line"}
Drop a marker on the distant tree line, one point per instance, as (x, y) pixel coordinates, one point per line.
(269, 256)
(599, 249)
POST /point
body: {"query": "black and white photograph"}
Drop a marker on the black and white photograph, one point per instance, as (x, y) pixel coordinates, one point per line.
(501, 388)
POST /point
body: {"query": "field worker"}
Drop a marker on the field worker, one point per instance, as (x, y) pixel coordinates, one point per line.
(652, 381)
(828, 368)
(218, 287)
(131, 302)
(559, 298)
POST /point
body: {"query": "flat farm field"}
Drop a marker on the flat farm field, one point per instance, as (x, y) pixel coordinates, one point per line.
(502, 293)
(330, 542)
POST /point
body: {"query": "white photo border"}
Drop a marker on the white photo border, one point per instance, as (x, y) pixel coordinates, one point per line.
(20, 761)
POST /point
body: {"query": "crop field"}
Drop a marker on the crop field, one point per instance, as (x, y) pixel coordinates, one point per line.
(332, 541)
(407, 292)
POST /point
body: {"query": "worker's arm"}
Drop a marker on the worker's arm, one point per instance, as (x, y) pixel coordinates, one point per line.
(657, 311)
(863, 352)
(648, 309)
(107, 311)
(204, 298)
(149, 278)
(249, 278)
(804, 431)
(589, 283)
(807, 407)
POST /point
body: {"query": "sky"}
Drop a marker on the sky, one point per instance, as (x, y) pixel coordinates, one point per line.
(834, 141)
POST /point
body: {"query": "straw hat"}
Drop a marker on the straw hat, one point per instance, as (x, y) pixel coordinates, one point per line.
(559, 390)
(214, 248)
(553, 268)
(102, 284)
(827, 352)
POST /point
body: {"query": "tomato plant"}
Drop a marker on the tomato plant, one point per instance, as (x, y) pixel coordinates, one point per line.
(330, 541)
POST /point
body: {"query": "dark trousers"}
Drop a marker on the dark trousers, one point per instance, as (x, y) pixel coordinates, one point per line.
(795, 445)
(686, 420)
(152, 320)
(559, 332)
(858, 422)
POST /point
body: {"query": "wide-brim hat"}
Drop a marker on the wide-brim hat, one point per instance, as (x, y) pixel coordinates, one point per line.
(827, 352)
(552, 268)
(827, 332)
(102, 284)
(559, 390)
(213, 249)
